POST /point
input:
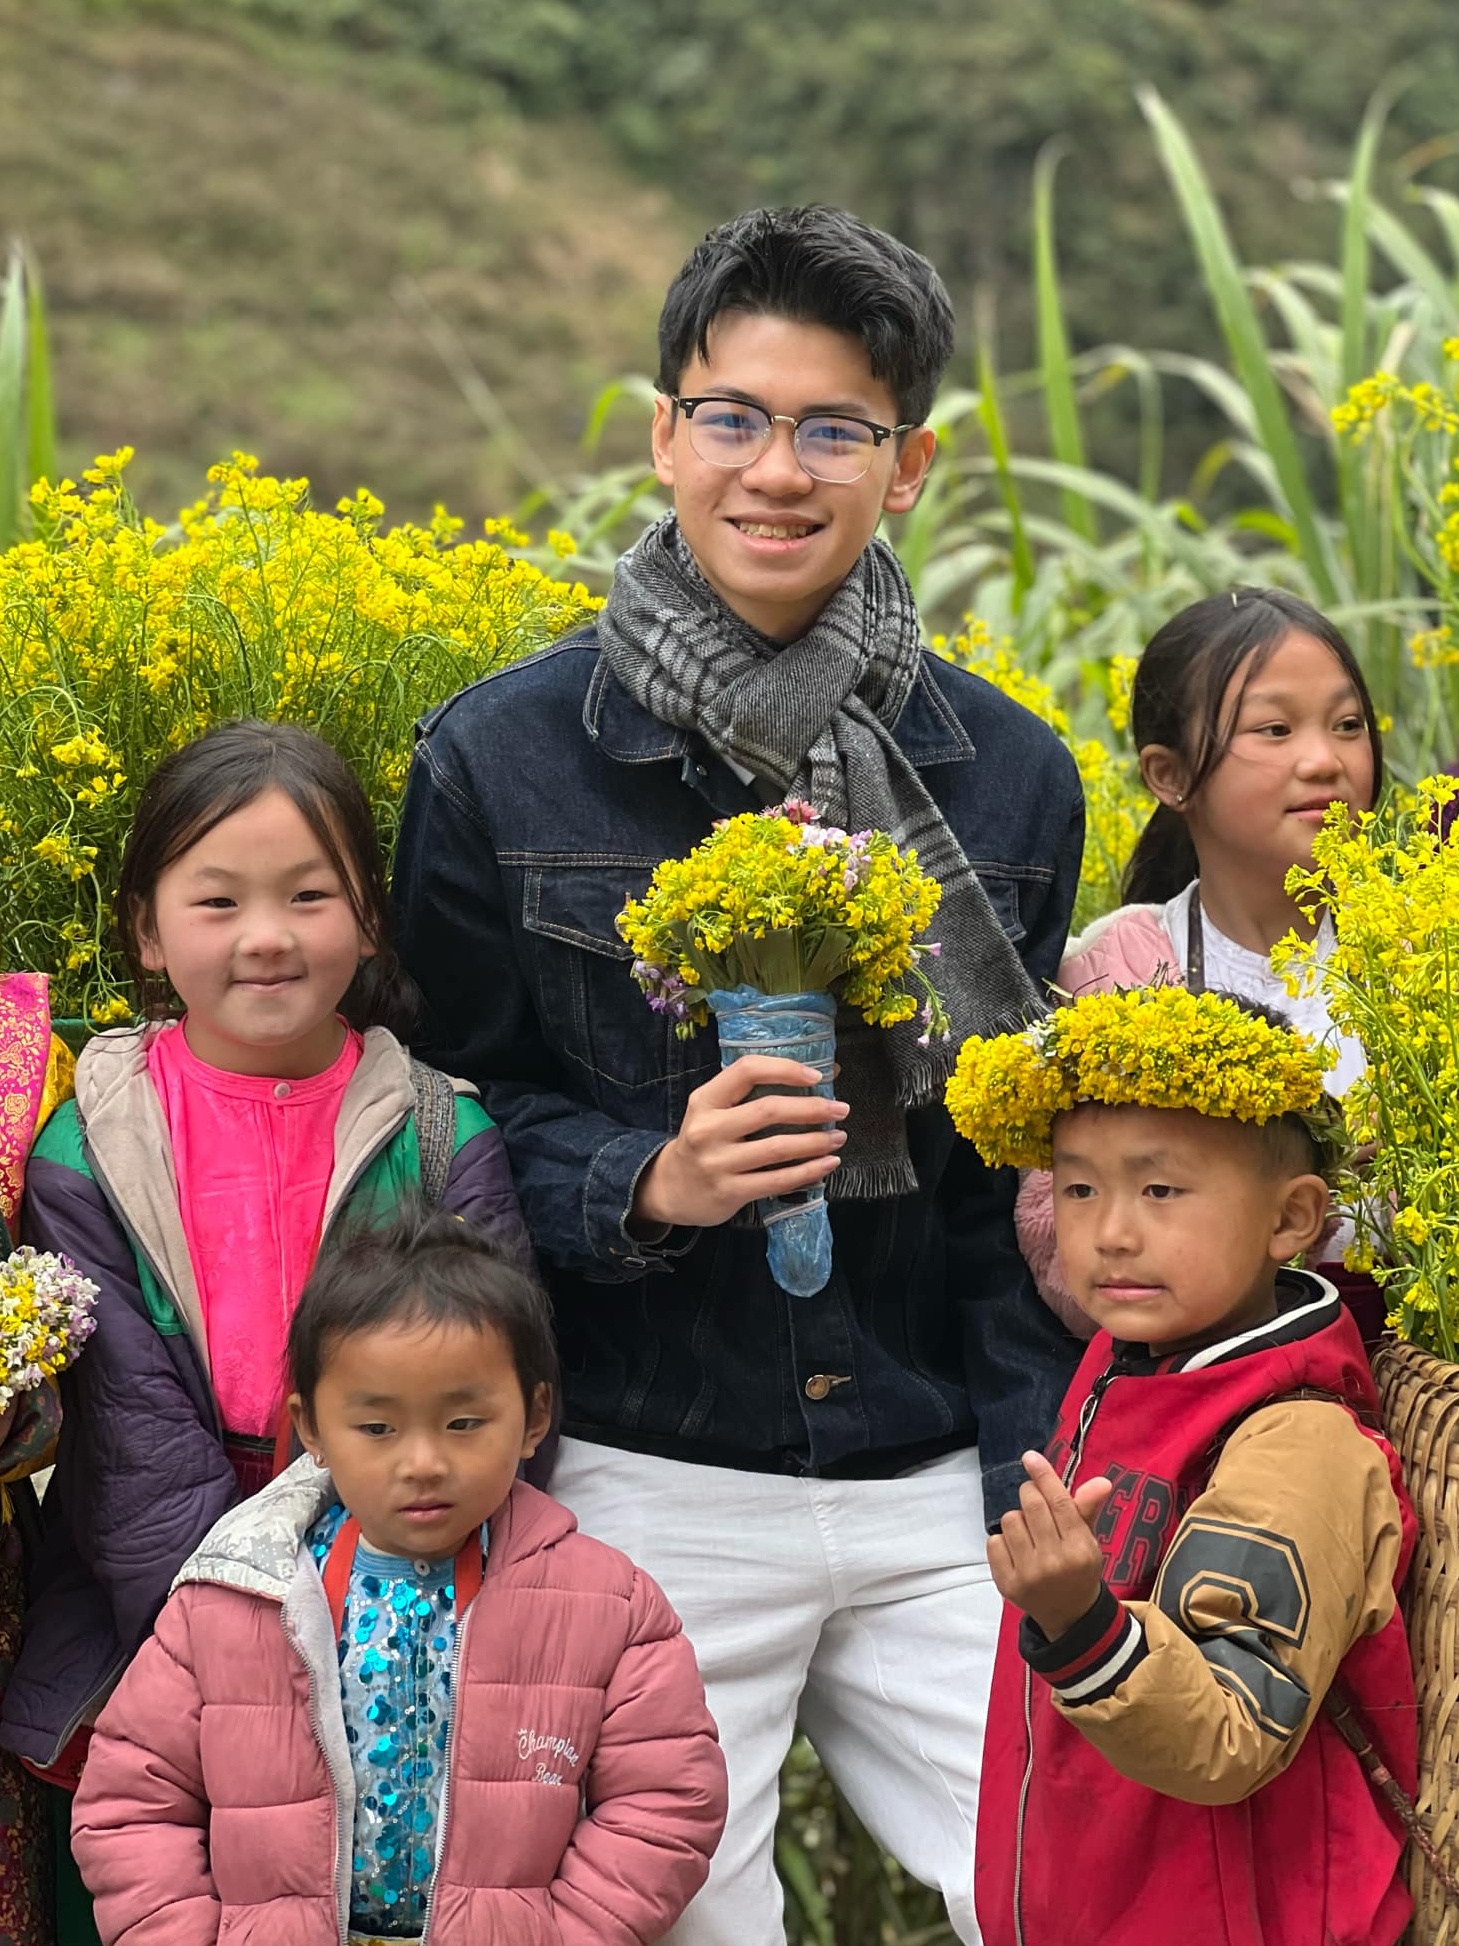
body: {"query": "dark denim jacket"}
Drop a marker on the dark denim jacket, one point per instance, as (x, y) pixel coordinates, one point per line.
(539, 800)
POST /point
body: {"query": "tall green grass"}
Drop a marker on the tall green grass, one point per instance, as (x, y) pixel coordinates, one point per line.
(27, 408)
(1078, 562)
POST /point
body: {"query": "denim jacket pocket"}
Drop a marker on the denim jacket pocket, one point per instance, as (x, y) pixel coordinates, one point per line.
(1002, 888)
(599, 1018)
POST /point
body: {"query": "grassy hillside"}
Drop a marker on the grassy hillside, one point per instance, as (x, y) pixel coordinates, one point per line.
(352, 263)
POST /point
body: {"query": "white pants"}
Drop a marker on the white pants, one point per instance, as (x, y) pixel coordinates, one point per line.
(863, 1606)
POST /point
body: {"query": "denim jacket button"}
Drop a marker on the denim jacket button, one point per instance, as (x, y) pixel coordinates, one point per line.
(821, 1384)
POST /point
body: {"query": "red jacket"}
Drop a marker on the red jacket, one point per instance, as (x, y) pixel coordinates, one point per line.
(1163, 1772)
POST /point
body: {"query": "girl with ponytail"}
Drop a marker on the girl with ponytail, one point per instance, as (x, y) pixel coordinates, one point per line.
(1251, 716)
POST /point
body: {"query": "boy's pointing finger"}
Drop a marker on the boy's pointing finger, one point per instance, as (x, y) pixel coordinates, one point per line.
(1055, 1497)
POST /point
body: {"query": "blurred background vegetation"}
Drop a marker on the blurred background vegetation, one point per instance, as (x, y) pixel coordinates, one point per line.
(408, 240)
(421, 244)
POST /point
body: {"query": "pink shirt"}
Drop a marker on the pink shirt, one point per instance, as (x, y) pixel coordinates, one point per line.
(253, 1159)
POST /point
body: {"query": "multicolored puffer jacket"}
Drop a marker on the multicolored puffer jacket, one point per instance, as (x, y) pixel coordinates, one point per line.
(141, 1472)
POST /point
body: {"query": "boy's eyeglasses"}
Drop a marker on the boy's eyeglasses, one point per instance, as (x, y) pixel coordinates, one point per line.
(829, 445)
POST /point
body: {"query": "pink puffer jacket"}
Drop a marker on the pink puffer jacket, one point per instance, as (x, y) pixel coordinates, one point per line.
(217, 1802)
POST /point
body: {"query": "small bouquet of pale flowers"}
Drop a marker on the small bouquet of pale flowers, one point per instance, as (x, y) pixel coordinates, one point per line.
(46, 1308)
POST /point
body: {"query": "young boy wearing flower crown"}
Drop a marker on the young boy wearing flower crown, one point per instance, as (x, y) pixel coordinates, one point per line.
(809, 1478)
(1206, 1558)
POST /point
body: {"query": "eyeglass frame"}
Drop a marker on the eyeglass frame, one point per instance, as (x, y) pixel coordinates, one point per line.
(879, 434)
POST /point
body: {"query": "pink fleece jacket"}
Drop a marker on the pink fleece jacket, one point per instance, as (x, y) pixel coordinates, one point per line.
(217, 1800)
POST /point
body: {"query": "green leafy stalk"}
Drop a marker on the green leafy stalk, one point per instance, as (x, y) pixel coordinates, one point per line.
(1244, 337)
(1060, 401)
(13, 440)
(991, 414)
(40, 397)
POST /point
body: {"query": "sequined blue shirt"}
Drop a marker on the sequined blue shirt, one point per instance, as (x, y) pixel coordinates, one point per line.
(396, 1652)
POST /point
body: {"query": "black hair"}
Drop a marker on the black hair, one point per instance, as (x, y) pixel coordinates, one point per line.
(424, 1267)
(1178, 697)
(816, 265)
(224, 771)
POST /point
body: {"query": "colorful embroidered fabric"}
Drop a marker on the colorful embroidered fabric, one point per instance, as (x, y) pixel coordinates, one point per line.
(26, 1066)
(397, 1650)
(36, 1073)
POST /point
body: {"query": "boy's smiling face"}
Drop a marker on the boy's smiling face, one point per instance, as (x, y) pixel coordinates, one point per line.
(780, 581)
(1172, 1225)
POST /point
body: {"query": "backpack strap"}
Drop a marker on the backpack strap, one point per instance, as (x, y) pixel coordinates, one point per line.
(435, 1128)
(1363, 1414)
(1337, 1706)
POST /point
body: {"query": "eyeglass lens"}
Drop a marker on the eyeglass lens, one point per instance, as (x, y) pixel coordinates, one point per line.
(726, 433)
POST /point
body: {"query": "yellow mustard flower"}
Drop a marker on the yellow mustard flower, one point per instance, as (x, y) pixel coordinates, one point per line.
(121, 639)
(781, 901)
(1389, 883)
(1151, 1047)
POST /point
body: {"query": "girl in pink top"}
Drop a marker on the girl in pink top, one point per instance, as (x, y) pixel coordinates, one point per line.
(207, 1158)
(1251, 716)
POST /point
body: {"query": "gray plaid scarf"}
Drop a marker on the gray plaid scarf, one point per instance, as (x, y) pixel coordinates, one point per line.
(815, 718)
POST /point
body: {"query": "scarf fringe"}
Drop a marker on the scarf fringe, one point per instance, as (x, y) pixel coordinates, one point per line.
(872, 1181)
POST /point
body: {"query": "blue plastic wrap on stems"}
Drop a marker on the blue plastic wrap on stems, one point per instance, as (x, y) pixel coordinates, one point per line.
(798, 1027)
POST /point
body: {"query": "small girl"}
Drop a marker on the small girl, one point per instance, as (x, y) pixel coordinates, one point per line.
(201, 1165)
(1250, 715)
(398, 1690)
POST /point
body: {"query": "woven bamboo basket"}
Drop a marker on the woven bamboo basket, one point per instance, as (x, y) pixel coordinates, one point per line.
(1420, 1397)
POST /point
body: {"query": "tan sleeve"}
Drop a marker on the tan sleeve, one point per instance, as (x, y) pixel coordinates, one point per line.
(1283, 1563)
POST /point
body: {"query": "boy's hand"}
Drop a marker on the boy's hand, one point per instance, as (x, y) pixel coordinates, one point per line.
(1045, 1559)
(722, 1159)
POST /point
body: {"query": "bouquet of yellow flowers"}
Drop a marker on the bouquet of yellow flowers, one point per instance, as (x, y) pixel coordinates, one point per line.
(1391, 884)
(778, 901)
(767, 923)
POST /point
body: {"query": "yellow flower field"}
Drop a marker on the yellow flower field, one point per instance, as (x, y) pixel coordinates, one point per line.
(121, 639)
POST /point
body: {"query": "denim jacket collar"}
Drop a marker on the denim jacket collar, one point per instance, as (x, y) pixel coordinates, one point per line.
(927, 730)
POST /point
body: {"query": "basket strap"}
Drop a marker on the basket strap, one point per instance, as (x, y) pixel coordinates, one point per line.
(1337, 1705)
(1344, 1718)
(1362, 1414)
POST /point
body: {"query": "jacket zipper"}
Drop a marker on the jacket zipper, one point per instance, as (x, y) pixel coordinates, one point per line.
(457, 1658)
(1023, 1791)
(343, 1846)
(107, 1683)
(1071, 1466)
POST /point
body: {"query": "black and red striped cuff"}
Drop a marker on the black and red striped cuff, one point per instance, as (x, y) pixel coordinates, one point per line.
(1090, 1660)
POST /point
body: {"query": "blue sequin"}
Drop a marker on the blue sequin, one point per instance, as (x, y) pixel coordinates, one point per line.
(395, 1683)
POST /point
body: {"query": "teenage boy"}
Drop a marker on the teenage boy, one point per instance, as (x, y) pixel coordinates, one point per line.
(1210, 1560)
(808, 1477)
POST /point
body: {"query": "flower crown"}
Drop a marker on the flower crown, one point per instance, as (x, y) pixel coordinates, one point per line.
(1148, 1047)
